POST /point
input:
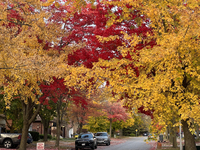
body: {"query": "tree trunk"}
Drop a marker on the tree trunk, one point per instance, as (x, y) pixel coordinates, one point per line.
(45, 123)
(46, 117)
(57, 133)
(58, 124)
(174, 140)
(46, 133)
(188, 137)
(167, 133)
(28, 118)
(110, 127)
(120, 133)
(24, 135)
(81, 127)
(197, 131)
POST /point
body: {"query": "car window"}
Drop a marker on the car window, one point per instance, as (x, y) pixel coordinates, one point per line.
(86, 136)
(101, 134)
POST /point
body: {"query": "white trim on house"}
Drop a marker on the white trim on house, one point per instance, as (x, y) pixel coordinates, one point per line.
(70, 132)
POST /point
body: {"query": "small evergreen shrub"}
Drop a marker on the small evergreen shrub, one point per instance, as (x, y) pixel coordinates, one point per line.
(49, 136)
(41, 136)
(35, 135)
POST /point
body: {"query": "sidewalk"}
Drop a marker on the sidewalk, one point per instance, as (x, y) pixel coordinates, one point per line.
(167, 144)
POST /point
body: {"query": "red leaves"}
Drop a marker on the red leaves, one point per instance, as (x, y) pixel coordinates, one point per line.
(53, 91)
(57, 89)
(146, 112)
(115, 111)
(85, 26)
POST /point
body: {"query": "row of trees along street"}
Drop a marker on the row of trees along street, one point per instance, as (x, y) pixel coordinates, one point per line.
(144, 54)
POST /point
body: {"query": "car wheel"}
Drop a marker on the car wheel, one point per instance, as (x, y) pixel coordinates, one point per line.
(76, 148)
(107, 144)
(96, 146)
(7, 143)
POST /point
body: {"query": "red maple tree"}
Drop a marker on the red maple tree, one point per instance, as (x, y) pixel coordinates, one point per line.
(60, 94)
(86, 25)
(115, 112)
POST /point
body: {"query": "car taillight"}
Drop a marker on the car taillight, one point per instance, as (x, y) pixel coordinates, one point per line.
(19, 137)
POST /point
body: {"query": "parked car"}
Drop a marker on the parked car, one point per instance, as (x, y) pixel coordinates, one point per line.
(102, 138)
(86, 140)
(29, 138)
(145, 134)
(9, 140)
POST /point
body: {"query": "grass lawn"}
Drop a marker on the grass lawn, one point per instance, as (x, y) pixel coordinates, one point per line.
(68, 139)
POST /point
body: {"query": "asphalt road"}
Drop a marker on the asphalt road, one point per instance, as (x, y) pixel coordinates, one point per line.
(132, 143)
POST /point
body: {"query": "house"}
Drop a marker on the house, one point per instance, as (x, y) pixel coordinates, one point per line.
(66, 129)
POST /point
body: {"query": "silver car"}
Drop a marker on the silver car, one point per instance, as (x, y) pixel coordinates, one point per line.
(102, 138)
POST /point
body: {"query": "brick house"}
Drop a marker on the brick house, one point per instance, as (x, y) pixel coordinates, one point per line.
(66, 129)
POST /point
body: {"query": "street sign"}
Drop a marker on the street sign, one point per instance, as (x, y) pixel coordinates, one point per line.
(40, 146)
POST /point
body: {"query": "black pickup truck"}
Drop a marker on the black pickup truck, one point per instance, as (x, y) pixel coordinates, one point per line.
(9, 140)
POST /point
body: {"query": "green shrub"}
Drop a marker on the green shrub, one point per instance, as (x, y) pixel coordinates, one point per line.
(41, 136)
(132, 134)
(49, 136)
(35, 135)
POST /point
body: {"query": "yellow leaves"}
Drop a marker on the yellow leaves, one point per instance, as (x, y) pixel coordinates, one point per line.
(57, 4)
(107, 39)
(48, 3)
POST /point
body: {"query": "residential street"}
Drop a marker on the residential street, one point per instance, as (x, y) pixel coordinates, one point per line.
(132, 143)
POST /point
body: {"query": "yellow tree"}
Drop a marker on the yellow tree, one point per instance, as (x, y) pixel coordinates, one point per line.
(28, 51)
(169, 72)
(161, 76)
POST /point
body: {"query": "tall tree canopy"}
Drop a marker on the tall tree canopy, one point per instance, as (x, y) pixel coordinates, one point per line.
(30, 51)
(162, 74)
(169, 71)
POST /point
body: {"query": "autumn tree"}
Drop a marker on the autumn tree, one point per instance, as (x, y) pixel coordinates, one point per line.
(97, 124)
(29, 52)
(46, 113)
(162, 69)
(58, 93)
(168, 71)
(80, 113)
(115, 112)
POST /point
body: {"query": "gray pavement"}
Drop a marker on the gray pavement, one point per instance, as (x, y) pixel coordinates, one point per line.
(132, 143)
